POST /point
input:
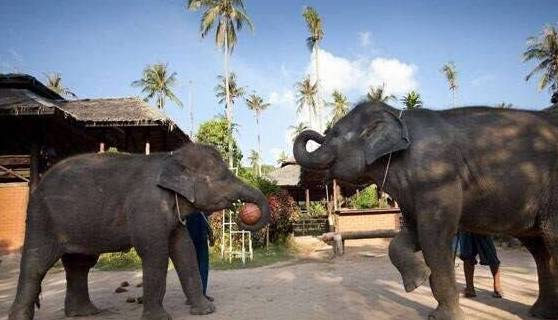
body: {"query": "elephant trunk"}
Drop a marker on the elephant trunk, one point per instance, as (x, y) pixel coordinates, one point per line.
(318, 159)
(251, 195)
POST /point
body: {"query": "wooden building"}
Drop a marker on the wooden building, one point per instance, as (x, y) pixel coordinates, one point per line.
(38, 128)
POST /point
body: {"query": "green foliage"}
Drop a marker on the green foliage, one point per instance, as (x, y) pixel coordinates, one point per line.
(214, 132)
(316, 208)
(128, 260)
(544, 50)
(339, 106)
(54, 83)
(412, 100)
(366, 198)
(265, 185)
(379, 94)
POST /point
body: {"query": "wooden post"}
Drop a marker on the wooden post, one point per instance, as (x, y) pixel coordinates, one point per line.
(334, 195)
(35, 158)
(307, 201)
(101, 147)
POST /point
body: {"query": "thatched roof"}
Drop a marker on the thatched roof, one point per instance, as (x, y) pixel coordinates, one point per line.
(121, 111)
(23, 94)
(286, 175)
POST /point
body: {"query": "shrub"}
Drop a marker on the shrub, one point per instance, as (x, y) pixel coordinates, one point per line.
(266, 186)
(366, 199)
(128, 260)
(316, 208)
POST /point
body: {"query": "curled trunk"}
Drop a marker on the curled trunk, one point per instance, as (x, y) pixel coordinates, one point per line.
(320, 158)
(249, 194)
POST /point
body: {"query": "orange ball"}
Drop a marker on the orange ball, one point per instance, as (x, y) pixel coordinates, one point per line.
(250, 214)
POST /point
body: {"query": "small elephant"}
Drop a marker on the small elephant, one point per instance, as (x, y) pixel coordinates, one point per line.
(96, 203)
(478, 169)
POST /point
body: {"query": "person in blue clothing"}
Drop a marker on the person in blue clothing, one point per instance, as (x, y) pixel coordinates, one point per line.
(471, 245)
(201, 234)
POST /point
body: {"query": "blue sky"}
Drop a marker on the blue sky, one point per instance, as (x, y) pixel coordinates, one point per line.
(100, 47)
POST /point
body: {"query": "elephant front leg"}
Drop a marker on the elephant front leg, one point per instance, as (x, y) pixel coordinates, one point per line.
(155, 260)
(403, 253)
(183, 256)
(435, 237)
(77, 302)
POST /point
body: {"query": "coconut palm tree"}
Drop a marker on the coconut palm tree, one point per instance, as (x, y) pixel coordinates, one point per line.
(450, 72)
(504, 105)
(315, 28)
(254, 159)
(378, 94)
(412, 100)
(307, 97)
(339, 106)
(157, 82)
(234, 90)
(258, 105)
(297, 129)
(54, 83)
(228, 17)
(544, 49)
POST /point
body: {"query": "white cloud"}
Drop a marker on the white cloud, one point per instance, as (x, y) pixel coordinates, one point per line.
(355, 76)
(364, 38)
(285, 98)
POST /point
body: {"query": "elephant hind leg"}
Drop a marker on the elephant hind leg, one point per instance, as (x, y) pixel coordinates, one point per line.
(77, 302)
(403, 253)
(35, 262)
(544, 252)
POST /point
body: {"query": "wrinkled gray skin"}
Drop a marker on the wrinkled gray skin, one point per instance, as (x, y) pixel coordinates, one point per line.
(96, 203)
(477, 169)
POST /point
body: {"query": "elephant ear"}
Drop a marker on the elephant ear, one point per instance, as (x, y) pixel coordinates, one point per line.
(173, 177)
(388, 136)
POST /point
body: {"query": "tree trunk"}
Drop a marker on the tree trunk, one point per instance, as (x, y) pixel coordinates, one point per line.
(228, 105)
(259, 144)
(319, 97)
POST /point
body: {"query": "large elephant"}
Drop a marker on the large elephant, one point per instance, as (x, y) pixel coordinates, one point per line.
(476, 169)
(96, 203)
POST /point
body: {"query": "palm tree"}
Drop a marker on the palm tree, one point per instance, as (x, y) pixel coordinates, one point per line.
(412, 100)
(282, 157)
(339, 106)
(258, 105)
(157, 83)
(54, 83)
(234, 91)
(544, 49)
(254, 159)
(307, 97)
(450, 72)
(314, 25)
(297, 129)
(228, 17)
(378, 94)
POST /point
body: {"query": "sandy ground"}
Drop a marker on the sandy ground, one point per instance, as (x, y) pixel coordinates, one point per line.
(360, 285)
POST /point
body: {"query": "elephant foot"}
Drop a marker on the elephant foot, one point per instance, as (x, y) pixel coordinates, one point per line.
(81, 309)
(545, 309)
(19, 312)
(413, 280)
(155, 315)
(445, 313)
(206, 307)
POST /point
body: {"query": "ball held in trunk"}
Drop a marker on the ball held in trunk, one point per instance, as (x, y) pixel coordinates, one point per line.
(250, 214)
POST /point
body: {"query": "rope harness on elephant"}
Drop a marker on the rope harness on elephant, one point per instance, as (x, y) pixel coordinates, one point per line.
(388, 162)
(179, 214)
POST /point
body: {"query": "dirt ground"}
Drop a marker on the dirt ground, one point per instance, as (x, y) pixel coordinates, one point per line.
(360, 285)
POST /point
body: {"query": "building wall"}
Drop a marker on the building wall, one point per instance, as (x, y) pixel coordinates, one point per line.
(13, 209)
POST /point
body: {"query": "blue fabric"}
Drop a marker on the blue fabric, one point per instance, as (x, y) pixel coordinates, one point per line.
(472, 244)
(198, 229)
